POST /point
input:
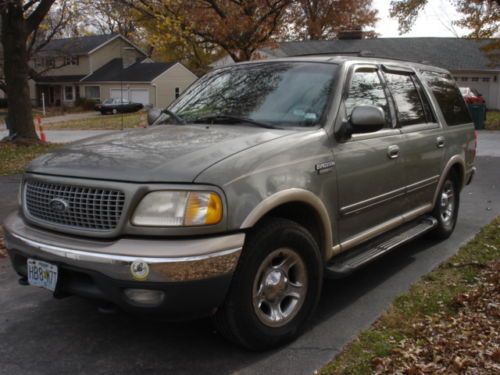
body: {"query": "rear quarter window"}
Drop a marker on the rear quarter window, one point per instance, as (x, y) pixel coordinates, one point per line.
(448, 97)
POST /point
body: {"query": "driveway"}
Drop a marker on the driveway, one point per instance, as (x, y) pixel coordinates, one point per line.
(40, 335)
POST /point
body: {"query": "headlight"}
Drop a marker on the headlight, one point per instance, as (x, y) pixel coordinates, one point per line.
(178, 208)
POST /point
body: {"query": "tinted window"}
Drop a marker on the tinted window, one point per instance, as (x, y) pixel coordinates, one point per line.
(448, 97)
(285, 94)
(366, 89)
(407, 99)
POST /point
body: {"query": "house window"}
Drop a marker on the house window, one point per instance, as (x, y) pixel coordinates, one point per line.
(177, 92)
(92, 92)
(50, 62)
(475, 79)
(68, 93)
(71, 60)
(486, 79)
(465, 79)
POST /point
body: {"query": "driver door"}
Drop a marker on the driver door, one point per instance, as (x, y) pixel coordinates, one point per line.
(370, 175)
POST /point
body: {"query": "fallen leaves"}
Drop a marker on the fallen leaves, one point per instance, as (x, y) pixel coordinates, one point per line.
(467, 342)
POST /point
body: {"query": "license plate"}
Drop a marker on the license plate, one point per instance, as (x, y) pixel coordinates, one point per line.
(42, 274)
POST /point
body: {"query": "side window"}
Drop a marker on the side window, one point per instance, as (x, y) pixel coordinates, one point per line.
(448, 97)
(366, 89)
(410, 110)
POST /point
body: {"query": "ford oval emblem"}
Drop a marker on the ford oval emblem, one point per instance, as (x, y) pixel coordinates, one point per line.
(58, 205)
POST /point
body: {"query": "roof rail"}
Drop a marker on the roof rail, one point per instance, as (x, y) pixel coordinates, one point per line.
(364, 53)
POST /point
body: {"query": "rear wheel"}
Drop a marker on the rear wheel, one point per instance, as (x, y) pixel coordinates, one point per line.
(275, 288)
(114, 111)
(446, 208)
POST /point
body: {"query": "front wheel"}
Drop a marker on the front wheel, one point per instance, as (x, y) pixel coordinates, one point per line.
(446, 208)
(276, 286)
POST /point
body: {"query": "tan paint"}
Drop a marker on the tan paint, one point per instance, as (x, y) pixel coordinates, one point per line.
(176, 76)
(294, 195)
(117, 48)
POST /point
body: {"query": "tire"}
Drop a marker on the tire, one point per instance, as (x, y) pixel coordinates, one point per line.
(446, 209)
(260, 315)
(114, 111)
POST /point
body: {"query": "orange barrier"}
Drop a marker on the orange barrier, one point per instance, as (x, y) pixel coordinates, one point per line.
(43, 137)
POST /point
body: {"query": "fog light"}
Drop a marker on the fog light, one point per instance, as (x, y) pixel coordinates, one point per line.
(145, 297)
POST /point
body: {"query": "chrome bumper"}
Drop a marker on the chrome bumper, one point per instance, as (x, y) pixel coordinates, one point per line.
(166, 260)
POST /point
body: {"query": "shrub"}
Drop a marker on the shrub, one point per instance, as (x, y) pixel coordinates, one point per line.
(85, 103)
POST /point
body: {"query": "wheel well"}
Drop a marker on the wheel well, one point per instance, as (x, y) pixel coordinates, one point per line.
(305, 215)
(457, 173)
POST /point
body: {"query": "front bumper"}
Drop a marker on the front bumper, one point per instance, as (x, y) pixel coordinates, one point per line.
(194, 274)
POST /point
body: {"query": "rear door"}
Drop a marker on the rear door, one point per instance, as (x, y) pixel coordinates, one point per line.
(423, 142)
(370, 174)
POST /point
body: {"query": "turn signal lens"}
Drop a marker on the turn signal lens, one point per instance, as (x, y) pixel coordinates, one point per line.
(203, 208)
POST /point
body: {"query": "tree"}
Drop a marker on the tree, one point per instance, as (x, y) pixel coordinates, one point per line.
(480, 16)
(238, 27)
(323, 19)
(20, 21)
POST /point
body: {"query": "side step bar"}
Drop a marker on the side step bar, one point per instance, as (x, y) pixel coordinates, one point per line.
(345, 263)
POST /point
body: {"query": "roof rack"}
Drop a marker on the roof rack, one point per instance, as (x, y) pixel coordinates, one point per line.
(364, 53)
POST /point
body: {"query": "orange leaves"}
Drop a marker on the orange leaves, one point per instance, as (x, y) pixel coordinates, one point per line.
(465, 343)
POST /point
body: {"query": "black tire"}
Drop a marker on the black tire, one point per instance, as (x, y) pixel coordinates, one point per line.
(448, 220)
(239, 319)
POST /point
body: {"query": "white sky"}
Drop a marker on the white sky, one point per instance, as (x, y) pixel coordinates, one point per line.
(435, 20)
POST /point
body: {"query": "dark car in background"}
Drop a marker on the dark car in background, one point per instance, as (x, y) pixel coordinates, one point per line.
(117, 105)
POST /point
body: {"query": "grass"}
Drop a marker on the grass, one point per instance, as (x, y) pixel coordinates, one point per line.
(435, 293)
(15, 157)
(104, 122)
(492, 120)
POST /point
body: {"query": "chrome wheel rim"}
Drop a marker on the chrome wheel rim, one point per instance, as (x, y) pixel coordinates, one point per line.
(280, 287)
(447, 202)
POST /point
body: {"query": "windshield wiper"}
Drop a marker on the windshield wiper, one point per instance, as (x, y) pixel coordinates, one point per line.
(175, 116)
(231, 119)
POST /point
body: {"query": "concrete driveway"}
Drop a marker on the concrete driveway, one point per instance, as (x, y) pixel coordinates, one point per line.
(40, 335)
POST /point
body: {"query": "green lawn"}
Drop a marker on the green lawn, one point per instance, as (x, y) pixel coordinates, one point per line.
(443, 321)
(493, 120)
(15, 157)
(103, 122)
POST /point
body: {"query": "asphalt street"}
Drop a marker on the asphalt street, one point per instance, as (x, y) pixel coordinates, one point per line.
(41, 335)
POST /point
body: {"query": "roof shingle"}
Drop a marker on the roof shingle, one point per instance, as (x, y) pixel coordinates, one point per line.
(113, 71)
(449, 53)
(75, 46)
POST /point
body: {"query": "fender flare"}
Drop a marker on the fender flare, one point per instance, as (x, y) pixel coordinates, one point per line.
(291, 196)
(454, 160)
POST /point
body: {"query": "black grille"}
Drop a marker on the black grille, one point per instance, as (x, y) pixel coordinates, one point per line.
(79, 207)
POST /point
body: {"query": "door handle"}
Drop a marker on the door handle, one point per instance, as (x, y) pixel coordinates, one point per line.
(393, 152)
(440, 142)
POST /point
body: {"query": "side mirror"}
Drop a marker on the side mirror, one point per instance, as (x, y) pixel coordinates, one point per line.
(367, 119)
(153, 115)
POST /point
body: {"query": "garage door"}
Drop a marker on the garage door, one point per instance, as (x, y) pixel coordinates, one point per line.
(118, 94)
(139, 96)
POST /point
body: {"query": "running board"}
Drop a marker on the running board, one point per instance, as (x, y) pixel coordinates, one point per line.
(345, 263)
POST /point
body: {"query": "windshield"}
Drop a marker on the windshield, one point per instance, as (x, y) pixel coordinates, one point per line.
(109, 101)
(279, 93)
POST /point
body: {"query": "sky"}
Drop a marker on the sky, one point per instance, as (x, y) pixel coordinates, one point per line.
(435, 20)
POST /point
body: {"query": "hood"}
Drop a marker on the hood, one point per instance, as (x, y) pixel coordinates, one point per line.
(158, 154)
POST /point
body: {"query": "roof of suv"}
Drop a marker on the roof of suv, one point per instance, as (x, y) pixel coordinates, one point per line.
(340, 59)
